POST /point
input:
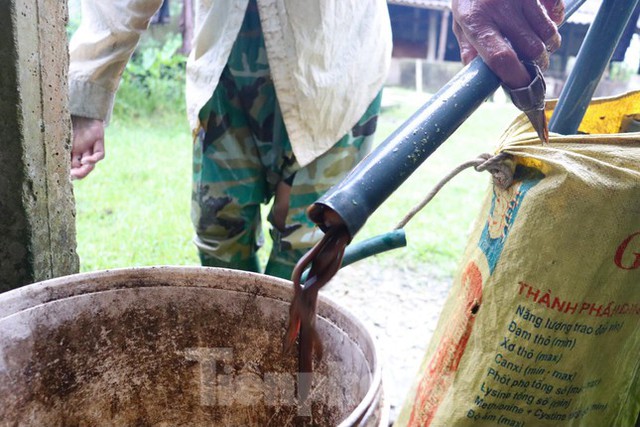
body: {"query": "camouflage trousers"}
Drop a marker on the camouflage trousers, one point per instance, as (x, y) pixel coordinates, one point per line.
(242, 159)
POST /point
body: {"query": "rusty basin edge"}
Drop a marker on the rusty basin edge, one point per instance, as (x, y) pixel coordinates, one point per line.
(30, 296)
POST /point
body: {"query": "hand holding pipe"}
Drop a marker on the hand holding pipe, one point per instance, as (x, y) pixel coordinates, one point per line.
(373, 180)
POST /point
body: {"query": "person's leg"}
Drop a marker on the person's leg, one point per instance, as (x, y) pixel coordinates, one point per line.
(229, 181)
(227, 185)
(292, 232)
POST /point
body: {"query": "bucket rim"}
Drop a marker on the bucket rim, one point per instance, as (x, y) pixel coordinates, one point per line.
(85, 283)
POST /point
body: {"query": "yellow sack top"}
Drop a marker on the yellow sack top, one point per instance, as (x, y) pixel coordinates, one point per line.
(542, 323)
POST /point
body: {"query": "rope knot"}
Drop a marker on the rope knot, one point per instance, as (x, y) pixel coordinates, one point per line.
(496, 166)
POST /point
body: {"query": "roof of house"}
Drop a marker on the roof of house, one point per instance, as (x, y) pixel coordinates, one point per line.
(584, 15)
(587, 13)
(424, 4)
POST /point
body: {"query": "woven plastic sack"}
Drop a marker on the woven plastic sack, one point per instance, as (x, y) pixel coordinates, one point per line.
(542, 324)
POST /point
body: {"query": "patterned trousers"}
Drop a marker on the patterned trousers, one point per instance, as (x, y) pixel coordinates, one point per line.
(242, 159)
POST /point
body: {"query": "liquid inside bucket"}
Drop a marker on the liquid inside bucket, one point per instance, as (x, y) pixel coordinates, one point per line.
(175, 346)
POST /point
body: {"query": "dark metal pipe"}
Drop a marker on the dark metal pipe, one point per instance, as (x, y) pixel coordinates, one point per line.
(390, 164)
(594, 55)
(378, 175)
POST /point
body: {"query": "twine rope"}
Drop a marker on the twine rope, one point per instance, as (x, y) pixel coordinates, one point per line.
(501, 173)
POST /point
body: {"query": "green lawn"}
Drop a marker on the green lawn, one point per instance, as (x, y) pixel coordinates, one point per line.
(133, 210)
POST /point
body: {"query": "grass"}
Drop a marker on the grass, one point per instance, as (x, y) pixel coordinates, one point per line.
(133, 210)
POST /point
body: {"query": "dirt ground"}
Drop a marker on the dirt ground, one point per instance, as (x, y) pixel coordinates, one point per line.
(401, 306)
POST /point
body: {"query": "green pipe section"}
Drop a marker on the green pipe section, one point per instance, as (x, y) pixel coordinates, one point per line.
(373, 246)
(369, 247)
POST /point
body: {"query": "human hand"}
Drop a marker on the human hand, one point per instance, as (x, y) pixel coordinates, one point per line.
(88, 145)
(505, 32)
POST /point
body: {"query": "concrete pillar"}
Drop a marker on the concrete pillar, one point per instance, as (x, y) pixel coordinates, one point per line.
(419, 75)
(432, 36)
(37, 212)
(444, 32)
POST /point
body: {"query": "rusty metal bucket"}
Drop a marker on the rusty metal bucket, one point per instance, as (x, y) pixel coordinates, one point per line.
(171, 346)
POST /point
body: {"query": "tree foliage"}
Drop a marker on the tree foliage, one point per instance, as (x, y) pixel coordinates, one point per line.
(153, 81)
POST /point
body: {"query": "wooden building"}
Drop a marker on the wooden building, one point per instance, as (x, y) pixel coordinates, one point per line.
(422, 29)
(426, 51)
